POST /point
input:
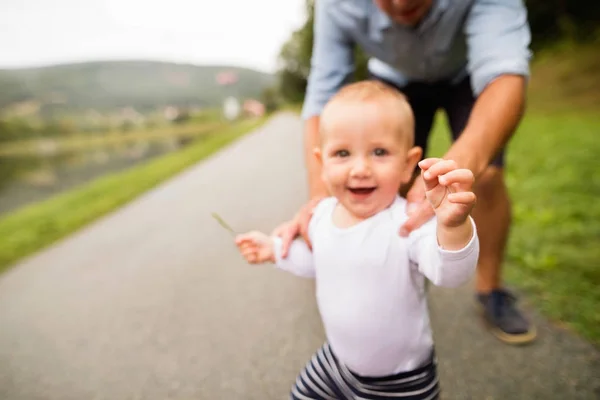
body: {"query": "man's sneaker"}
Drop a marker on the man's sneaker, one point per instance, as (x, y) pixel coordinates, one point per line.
(503, 318)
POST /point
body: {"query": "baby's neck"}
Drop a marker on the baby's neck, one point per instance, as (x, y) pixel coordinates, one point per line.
(344, 218)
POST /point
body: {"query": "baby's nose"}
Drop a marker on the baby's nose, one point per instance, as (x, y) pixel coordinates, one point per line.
(361, 168)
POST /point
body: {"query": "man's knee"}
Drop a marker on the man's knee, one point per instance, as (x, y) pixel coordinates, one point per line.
(490, 184)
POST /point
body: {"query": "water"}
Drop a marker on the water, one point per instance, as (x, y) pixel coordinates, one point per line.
(27, 180)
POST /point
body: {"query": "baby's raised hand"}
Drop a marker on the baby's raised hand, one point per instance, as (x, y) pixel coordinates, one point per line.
(255, 247)
(448, 189)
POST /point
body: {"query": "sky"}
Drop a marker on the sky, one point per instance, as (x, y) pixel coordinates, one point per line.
(232, 32)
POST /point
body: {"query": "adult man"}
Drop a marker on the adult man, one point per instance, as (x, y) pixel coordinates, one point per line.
(468, 57)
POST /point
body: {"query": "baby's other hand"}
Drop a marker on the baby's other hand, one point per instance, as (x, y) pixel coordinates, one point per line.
(449, 190)
(255, 247)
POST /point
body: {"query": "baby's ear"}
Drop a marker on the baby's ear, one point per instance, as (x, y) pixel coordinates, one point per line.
(412, 159)
(318, 155)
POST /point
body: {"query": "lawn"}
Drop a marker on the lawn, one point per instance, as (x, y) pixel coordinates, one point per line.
(553, 254)
(34, 227)
(554, 249)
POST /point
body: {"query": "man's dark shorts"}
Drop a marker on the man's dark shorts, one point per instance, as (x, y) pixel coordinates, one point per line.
(426, 98)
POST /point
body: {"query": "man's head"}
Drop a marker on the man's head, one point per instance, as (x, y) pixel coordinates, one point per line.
(366, 152)
(406, 12)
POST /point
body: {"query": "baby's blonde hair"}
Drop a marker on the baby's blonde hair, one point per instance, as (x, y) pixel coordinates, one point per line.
(390, 99)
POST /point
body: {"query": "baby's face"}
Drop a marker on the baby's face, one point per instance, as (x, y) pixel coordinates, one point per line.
(365, 158)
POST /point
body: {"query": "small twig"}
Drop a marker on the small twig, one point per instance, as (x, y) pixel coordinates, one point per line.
(224, 224)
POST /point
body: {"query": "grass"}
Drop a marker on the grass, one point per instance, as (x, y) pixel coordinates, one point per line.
(33, 227)
(566, 77)
(553, 254)
(554, 251)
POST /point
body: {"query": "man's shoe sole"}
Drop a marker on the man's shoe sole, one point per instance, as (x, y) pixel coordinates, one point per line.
(513, 339)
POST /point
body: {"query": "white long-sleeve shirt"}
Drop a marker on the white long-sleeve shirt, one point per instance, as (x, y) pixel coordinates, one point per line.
(370, 285)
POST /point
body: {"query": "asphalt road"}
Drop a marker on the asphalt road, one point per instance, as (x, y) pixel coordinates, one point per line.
(153, 302)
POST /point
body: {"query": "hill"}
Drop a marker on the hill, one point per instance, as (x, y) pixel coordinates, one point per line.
(107, 85)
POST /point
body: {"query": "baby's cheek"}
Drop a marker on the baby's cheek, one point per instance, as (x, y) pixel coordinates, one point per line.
(334, 173)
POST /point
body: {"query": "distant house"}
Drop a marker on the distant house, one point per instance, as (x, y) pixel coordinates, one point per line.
(132, 116)
(254, 108)
(226, 78)
(171, 113)
(23, 109)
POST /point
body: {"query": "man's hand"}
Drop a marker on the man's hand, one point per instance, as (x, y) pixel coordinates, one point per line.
(448, 190)
(418, 208)
(256, 247)
(288, 231)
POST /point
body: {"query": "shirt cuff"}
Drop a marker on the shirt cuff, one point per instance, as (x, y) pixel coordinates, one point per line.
(311, 109)
(483, 76)
(277, 248)
(463, 253)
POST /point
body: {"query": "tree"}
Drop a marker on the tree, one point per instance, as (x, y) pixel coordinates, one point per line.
(554, 20)
(295, 58)
(269, 98)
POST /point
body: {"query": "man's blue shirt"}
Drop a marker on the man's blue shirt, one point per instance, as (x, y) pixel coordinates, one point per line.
(457, 38)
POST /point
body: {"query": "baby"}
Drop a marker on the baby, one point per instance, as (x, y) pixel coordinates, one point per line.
(370, 282)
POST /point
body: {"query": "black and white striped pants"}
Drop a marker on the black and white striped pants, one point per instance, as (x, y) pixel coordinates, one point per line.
(325, 378)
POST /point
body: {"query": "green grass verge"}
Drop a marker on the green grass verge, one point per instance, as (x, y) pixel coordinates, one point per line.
(566, 76)
(554, 249)
(38, 225)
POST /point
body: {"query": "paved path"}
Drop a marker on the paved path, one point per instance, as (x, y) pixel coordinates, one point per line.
(153, 302)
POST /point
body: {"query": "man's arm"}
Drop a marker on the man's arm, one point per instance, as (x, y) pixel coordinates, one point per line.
(316, 186)
(498, 39)
(493, 120)
(332, 65)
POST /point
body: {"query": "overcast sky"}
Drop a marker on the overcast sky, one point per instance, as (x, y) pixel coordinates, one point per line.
(238, 32)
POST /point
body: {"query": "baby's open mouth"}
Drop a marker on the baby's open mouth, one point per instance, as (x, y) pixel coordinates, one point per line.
(362, 190)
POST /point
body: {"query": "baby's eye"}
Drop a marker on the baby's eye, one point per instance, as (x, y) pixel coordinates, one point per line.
(380, 152)
(342, 153)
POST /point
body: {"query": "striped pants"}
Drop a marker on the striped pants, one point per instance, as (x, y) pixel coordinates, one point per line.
(325, 378)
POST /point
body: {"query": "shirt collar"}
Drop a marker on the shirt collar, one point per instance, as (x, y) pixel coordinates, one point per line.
(378, 22)
(437, 9)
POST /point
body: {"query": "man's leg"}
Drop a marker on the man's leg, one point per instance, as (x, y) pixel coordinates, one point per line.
(424, 110)
(492, 215)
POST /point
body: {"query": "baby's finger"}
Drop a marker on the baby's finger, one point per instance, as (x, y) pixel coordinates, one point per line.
(428, 162)
(463, 177)
(462, 198)
(243, 238)
(248, 252)
(429, 184)
(245, 246)
(430, 175)
(440, 168)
